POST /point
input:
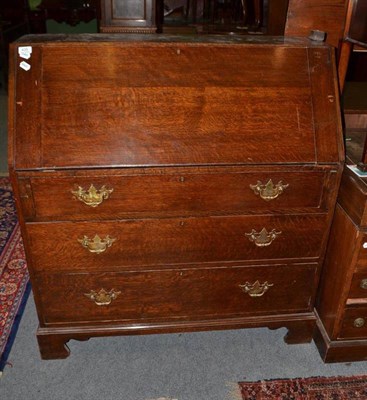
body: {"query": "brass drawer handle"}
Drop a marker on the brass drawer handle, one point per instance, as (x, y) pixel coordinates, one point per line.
(256, 289)
(262, 238)
(363, 284)
(96, 245)
(92, 197)
(359, 322)
(269, 191)
(102, 298)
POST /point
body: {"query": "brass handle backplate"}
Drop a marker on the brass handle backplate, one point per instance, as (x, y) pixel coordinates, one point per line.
(363, 284)
(359, 322)
(256, 289)
(269, 191)
(102, 297)
(262, 238)
(92, 197)
(96, 245)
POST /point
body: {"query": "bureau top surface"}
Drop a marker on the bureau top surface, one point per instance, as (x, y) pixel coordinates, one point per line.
(154, 100)
(166, 38)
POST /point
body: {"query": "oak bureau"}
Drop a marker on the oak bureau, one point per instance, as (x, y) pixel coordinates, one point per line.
(169, 183)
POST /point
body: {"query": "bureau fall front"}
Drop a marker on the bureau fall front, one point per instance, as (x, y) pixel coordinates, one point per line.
(170, 184)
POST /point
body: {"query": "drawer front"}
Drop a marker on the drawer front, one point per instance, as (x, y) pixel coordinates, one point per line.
(172, 193)
(362, 253)
(105, 245)
(175, 294)
(354, 325)
(358, 287)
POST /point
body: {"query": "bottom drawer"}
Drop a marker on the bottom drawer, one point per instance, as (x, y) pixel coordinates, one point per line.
(354, 323)
(185, 294)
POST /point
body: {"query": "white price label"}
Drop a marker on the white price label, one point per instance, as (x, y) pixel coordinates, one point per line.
(25, 52)
(24, 65)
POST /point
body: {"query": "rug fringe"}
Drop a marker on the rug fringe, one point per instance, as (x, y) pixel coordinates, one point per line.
(234, 391)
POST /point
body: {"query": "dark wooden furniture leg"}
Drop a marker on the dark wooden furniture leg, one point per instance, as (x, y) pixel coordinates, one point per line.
(300, 332)
(53, 346)
(277, 15)
(258, 6)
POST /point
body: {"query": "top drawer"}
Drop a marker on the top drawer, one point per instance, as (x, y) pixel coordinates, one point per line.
(174, 192)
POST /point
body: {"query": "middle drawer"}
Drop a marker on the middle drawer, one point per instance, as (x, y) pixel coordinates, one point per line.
(104, 245)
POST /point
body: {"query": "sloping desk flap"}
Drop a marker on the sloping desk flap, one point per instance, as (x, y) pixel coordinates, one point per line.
(131, 102)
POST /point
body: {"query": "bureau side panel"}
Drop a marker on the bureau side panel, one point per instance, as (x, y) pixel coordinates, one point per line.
(326, 106)
(25, 108)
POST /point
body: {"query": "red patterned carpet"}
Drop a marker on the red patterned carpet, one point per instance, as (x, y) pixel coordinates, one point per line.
(318, 388)
(14, 280)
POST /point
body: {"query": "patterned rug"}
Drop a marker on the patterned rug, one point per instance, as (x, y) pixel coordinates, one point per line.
(318, 388)
(14, 279)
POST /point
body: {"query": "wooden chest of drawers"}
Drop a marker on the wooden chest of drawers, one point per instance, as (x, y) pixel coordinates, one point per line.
(172, 184)
(341, 332)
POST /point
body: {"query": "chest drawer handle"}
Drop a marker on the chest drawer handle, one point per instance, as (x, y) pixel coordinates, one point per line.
(102, 298)
(92, 197)
(256, 289)
(359, 322)
(96, 245)
(269, 191)
(364, 284)
(262, 238)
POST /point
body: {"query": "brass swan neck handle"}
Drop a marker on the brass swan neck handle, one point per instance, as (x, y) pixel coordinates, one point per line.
(92, 197)
(256, 289)
(269, 191)
(102, 297)
(96, 245)
(263, 238)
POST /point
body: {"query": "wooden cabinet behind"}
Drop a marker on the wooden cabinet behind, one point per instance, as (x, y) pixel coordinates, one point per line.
(136, 16)
(172, 184)
(324, 15)
(341, 332)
